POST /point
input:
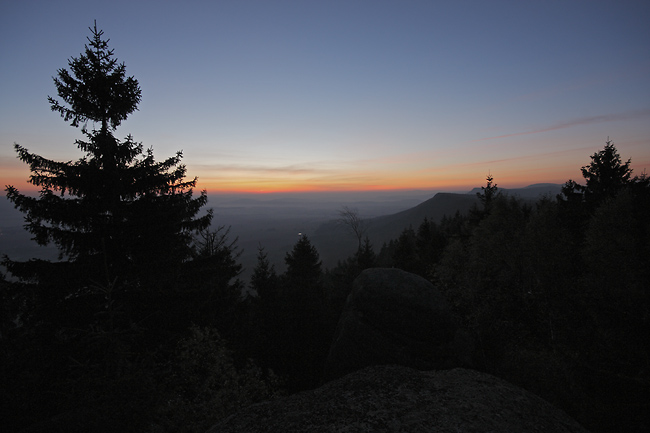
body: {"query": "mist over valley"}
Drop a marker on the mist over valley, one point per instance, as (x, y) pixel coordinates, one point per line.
(274, 221)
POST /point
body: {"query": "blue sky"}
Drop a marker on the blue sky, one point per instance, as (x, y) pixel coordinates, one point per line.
(346, 95)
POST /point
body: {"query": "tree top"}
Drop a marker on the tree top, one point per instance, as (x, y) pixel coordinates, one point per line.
(95, 88)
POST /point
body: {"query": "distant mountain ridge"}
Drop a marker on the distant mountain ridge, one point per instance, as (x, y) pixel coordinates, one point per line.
(334, 242)
(535, 190)
(447, 204)
(274, 222)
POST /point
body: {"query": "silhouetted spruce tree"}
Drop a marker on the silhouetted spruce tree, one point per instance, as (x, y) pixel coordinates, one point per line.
(303, 265)
(487, 195)
(116, 213)
(366, 257)
(606, 175)
(123, 223)
(304, 338)
(264, 279)
(405, 253)
(489, 191)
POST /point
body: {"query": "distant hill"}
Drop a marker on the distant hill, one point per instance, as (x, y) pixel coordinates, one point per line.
(334, 242)
(443, 204)
(274, 221)
(535, 191)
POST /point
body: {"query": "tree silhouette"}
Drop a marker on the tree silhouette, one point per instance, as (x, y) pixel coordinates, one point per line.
(116, 210)
(405, 253)
(264, 279)
(355, 224)
(303, 265)
(487, 196)
(606, 175)
(96, 326)
(366, 257)
(304, 338)
(488, 192)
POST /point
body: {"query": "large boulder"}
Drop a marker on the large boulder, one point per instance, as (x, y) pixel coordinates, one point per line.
(401, 399)
(395, 317)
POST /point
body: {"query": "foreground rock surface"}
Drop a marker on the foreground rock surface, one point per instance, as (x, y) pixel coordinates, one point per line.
(395, 317)
(401, 399)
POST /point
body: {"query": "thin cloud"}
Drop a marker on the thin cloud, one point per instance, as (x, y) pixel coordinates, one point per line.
(247, 168)
(577, 122)
(537, 156)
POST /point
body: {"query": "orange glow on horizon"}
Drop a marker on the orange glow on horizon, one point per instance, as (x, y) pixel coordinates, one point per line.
(454, 177)
(306, 189)
(218, 187)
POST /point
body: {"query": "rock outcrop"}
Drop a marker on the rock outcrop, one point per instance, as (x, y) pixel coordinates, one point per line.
(395, 317)
(401, 399)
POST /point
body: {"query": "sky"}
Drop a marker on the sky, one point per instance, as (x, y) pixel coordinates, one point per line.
(268, 96)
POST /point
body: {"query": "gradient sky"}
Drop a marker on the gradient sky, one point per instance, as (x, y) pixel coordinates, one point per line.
(346, 95)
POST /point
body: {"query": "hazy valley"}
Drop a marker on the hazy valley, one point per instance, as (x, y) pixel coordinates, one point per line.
(274, 221)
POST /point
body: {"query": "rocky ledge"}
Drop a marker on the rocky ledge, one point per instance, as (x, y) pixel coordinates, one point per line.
(402, 399)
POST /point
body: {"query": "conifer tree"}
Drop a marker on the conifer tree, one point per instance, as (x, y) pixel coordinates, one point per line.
(303, 264)
(487, 196)
(606, 175)
(264, 279)
(405, 254)
(130, 276)
(115, 214)
(488, 192)
(366, 257)
(305, 338)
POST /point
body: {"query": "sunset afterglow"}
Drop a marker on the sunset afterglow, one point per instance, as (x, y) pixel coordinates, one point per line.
(347, 96)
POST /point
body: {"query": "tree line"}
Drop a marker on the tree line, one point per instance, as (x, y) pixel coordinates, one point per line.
(141, 324)
(555, 291)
